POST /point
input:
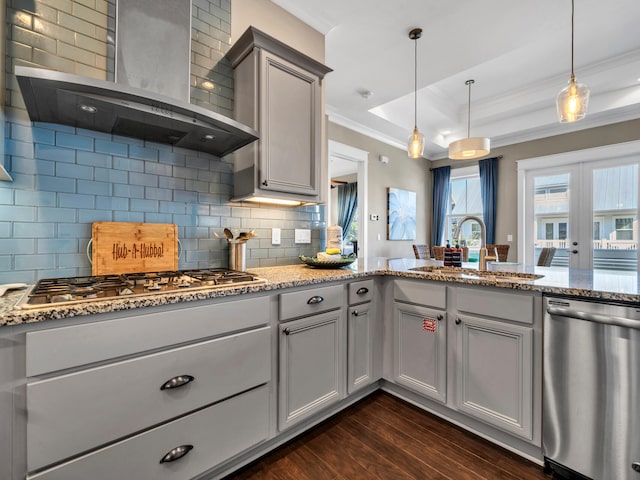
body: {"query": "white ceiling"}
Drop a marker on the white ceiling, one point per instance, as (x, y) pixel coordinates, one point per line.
(518, 53)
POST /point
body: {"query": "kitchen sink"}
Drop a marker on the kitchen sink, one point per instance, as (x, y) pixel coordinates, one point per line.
(471, 274)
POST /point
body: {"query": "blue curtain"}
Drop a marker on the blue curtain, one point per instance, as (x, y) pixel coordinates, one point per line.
(347, 206)
(489, 192)
(440, 202)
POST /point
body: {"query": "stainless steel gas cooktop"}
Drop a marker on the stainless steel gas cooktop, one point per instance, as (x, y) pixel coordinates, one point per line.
(62, 291)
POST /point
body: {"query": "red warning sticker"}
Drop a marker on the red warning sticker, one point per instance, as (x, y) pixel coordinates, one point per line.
(429, 324)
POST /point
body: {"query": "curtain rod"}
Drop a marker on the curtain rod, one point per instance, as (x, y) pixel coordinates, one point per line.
(499, 157)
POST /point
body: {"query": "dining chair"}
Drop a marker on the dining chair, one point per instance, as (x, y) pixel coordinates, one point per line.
(422, 252)
(546, 256)
(501, 250)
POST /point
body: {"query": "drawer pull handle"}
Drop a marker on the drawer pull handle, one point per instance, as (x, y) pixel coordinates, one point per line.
(315, 299)
(176, 453)
(439, 317)
(291, 331)
(177, 382)
(362, 291)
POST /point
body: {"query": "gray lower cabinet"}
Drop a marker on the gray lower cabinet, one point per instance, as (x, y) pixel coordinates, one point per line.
(180, 449)
(495, 357)
(312, 365)
(111, 399)
(421, 349)
(494, 373)
(361, 333)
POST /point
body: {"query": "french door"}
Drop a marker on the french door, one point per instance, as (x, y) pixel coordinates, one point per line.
(586, 210)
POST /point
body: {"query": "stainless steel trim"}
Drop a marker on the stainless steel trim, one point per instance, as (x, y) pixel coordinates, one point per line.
(56, 97)
(594, 317)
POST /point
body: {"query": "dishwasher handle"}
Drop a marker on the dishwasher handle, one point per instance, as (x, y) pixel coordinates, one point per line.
(594, 317)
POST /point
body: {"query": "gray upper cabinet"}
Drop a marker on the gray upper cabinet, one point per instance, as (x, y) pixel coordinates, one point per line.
(278, 92)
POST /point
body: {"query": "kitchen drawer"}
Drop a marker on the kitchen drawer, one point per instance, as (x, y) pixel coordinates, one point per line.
(311, 301)
(360, 292)
(421, 293)
(216, 434)
(72, 413)
(66, 347)
(510, 306)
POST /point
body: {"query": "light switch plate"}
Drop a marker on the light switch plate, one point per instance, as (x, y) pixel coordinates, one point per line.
(302, 235)
(275, 236)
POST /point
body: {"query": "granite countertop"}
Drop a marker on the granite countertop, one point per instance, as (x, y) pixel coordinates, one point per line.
(589, 284)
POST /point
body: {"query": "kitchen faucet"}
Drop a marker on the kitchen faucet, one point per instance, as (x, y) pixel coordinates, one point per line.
(484, 256)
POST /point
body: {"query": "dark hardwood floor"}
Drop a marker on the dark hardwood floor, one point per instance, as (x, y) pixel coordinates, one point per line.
(382, 437)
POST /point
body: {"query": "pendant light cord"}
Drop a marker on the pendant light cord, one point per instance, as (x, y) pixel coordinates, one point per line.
(469, 82)
(572, 14)
(415, 83)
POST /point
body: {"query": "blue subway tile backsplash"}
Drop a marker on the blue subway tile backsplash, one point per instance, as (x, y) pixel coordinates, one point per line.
(66, 178)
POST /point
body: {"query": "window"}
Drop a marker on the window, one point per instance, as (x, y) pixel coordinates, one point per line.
(624, 228)
(464, 199)
(548, 233)
(596, 230)
(562, 230)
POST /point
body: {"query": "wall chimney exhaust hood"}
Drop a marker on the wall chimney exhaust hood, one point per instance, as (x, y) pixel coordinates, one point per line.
(119, 109)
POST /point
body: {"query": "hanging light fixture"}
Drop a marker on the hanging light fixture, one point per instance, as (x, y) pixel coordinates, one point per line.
(415, 147)
(469, 148)
(572, 101)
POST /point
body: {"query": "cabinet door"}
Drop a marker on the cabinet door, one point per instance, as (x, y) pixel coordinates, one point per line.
(360, 349)
(420, 350)
(494, 373)
(312, 365)
(290, 128)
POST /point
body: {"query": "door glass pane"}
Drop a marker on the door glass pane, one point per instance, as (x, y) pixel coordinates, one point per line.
(551, 216)
(615, 204)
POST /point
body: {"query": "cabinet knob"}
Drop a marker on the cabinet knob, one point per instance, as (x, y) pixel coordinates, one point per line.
(575, 244)
(177, 382)
(315, 299)
(176, 453)
(636, 466)
(458, 321)
(439, 317)
(286, 331)
(574, 251)
(354, 313)
(265, 184)
(362, 291)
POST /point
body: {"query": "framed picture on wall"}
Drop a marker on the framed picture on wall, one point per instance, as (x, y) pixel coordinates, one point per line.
(401, 214)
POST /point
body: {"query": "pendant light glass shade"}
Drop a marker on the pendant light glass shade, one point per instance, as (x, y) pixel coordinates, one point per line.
(572, 101)
(415, 145)
(469, 148)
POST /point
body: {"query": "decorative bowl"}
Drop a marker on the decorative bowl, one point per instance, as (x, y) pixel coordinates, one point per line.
(343, 262)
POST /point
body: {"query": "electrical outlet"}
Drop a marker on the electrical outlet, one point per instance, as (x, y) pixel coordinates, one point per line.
(302, 235)
(275, 236)
(373, 217)
(509, 238)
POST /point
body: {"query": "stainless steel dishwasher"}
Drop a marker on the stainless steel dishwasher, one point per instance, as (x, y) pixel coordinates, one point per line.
(591, 393)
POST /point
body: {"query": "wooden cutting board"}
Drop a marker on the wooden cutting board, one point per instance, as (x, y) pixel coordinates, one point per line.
(131, 247)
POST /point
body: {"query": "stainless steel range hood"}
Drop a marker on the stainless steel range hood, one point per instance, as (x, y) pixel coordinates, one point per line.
(115, 108)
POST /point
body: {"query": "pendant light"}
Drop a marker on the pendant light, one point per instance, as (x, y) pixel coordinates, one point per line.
(572, 101)
(469, 148)
(415, 147)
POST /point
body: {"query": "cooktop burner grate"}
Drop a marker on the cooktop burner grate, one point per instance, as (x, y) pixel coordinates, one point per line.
(91, 288)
